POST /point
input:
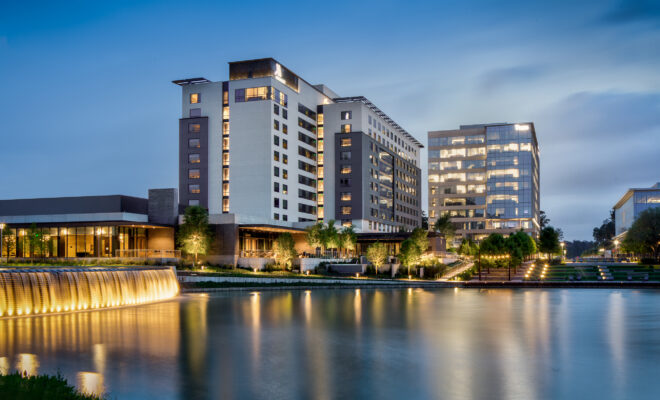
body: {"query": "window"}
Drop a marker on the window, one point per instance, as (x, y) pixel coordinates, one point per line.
(345, 155)
(276, 125)
(346, 142)
(306, 167)
(306, 111)
(285, 144)
(276, 140)
(225, 205)
(195, 98)
(193, 189)
(307, 181)
(225, 96)
(304, 208)
(193, 158)
(345, 196)
(319, 119)
(195, 112)
(276, 155)
(276, 202)
(225, 112)
(193, 174)
(225, 174)
(276, 216)
(285, 218)
(276, 109)
(345, 128)
(194, 128)
(193, 202)
(285, 159)
(285, 174)
(225, 128)
(304, 194)
(285, 129)
(345, 169)
(306, 125)
(225, 143)
(276, 171)
(285, 115)
(345, 182)
(225, 159)
(285, 189)
(306, 153)
(306, 139)
(346, 210)
(285, 204)
(193, 143)
(225, 189)
(276, 186)
(346, 115)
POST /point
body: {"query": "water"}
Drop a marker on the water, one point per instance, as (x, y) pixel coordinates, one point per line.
(336, 344)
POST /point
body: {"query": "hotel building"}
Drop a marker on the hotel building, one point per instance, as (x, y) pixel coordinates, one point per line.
(486, 177)
(267, 147)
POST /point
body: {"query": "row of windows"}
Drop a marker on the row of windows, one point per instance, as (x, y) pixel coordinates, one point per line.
(276, 157)
(276, 111)
(276, 188)
(276, 126)
(456, 140)
(456, 165)
(276, 203)
(306, 125)
(458, 152)
(276, 172)
(261, 93)
(306, 111)
(276, 142)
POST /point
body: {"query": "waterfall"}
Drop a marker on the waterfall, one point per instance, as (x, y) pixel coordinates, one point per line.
(25, 291)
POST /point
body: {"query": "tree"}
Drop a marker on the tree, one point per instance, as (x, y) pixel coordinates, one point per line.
(330, 236)
(425, 221)
(493, 244)
(348, 238)
(194, 235)
(9, 242)
(604, 233)
(467, 247)
(409, 253)
(643, 237)
(549, 241)
(37, 241)
(543, 219)
(284, 250)
(421, 239)
(314, 233)
(445, 227)
(377, 255)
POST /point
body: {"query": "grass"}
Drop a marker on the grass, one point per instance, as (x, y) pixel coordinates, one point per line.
(563, 272)
(17, 387)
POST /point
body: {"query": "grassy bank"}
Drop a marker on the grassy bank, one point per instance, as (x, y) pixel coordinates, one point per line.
(17, 387)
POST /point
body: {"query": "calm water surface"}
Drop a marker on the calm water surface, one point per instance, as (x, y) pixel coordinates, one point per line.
(338, 344)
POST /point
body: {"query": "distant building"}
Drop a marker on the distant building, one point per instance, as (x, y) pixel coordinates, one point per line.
(486, 177)
(628, 208)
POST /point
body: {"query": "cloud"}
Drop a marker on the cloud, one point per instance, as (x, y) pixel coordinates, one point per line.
(504, 78)
(629, 11)
(594, 146)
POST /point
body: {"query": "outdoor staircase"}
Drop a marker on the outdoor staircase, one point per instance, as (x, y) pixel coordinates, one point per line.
(501, 274)
(604, 273)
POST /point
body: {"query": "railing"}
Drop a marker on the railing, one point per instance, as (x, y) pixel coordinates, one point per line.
(148, 253)
(257, 253)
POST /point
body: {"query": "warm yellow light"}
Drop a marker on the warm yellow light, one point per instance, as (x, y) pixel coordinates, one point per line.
(521, 127)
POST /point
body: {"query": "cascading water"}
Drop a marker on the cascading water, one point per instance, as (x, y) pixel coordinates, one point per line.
(53, 290)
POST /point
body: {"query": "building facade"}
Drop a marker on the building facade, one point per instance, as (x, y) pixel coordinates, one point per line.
(628, 208)
(270, 148)
(486, 177)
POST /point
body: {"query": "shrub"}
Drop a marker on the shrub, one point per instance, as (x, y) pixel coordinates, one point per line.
(16, 386)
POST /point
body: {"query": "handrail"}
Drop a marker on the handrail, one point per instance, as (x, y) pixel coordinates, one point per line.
(147, 253)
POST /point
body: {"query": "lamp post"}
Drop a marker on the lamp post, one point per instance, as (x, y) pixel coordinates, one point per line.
(562, 244)
(508, 257)
(616, 247)
(479, 260)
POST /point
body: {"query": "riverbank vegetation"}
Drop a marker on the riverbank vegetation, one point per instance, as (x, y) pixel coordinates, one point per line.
(20, 387)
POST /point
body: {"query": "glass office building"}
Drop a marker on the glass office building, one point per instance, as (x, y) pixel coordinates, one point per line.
(486, 177)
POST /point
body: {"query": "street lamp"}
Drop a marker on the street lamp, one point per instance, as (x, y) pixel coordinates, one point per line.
(562, 244)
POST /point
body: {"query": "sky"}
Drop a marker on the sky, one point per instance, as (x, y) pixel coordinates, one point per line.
(87, 106)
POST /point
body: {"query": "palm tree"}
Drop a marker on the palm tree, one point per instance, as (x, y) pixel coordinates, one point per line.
(445, 227)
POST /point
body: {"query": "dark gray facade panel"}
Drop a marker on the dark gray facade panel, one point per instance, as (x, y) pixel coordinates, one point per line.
(74, 205)
(163, 206)
(184, 165)
(356, 176)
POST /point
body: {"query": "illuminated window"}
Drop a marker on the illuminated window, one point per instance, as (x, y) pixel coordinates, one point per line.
(225, 112)
(345, 169)
(346, 196)
(319, 119)
(276, 125)
(225, 205)
(225, 174)
(320, 212)
(225, 159)
(346, 142)
(193, 189)
(285, 144)
(345, 128)
(319, 172)
(285, 189)
(195, 98)
(225, 189)
(193, 143)
(319, 132)
(193, 158)
(193, 174)
(346, 115)
(346, 210)
(285, 159)
(225, 97)
(285, 129)
(276, 155)
(194, 128)
(225, 128)
(285, 174)
(225, 143)
(320, 158)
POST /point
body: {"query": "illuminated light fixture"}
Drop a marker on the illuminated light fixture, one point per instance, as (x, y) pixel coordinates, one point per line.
(521, 127)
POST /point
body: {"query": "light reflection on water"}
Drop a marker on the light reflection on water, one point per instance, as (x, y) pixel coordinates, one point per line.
(356, 343)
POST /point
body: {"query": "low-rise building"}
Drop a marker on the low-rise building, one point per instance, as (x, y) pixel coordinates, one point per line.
(633, 202)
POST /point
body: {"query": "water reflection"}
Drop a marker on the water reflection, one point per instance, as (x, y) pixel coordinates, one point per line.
(322, 344)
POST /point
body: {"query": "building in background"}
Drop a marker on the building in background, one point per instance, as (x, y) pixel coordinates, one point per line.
(269, 148)
(486, 177)
(633, 202)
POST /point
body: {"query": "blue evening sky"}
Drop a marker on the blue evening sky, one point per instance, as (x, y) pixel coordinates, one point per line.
(87, 107)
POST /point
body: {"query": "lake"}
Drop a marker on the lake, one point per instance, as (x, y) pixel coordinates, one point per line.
(355, 343)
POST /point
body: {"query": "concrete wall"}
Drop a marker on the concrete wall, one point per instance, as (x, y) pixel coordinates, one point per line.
(161, 239)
